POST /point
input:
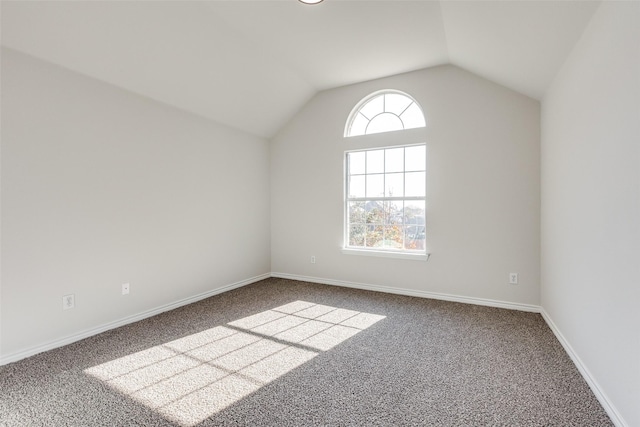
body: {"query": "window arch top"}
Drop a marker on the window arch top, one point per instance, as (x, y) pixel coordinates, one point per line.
(384, 111)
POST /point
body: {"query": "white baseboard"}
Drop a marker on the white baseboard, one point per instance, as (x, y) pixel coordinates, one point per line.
(14, 357)
(413, 293)
(615, 416)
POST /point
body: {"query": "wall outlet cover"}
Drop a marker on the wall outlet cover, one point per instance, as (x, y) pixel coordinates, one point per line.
(68, 302)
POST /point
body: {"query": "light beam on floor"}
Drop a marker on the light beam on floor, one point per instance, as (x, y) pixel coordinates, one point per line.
(194, 377)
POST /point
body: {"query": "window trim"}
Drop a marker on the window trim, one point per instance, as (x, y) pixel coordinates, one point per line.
(387, 254)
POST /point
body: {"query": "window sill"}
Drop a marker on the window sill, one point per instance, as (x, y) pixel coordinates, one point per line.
(386, 254)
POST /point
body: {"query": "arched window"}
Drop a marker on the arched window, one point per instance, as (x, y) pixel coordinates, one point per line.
(384, 111)
(385, 186)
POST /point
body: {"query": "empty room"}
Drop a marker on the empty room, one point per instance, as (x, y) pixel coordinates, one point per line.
(322, 213)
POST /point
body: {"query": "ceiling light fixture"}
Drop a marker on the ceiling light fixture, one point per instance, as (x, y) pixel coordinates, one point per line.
(310, 1)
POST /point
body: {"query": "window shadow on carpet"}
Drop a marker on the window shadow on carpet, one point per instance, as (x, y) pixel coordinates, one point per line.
(192, 378)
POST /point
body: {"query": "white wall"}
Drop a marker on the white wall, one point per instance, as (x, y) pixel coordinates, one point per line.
(482, 189)
(101, 187)
(591, 204)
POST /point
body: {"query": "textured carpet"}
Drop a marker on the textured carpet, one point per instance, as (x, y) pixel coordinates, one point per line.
(287, 353)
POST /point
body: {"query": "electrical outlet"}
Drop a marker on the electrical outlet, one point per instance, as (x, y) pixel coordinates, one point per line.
(313, 259)
(68, 302)
(513, 278)
(125, 289)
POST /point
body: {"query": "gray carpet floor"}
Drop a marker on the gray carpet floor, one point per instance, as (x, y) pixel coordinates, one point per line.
(288, 353)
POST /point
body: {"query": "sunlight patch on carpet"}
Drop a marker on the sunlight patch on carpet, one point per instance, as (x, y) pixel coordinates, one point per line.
(192, 378)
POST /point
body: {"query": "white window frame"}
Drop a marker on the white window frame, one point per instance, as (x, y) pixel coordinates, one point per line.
(422, 254)
(356, 111)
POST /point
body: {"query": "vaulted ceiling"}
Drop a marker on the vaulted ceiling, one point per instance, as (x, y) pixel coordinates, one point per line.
(253, 64)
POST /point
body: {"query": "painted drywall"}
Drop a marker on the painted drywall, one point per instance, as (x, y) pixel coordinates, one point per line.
(591, 203)
(102, 187)
(483, 188)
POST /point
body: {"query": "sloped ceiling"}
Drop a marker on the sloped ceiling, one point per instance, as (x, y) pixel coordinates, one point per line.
(252, 64)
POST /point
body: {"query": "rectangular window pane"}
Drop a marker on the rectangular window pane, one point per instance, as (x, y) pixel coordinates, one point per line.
(415, 230)
(357, 186)
(374, 211)
(375, 161)
(356, 235)
(394, 185)
(394, 160)
(393, 212)
(356, 213)
(415, 158)
(414, 212)
(393, 237)
(414, 238)
(375, 235)
(415, 184)
(356, 163)
(375, 185)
